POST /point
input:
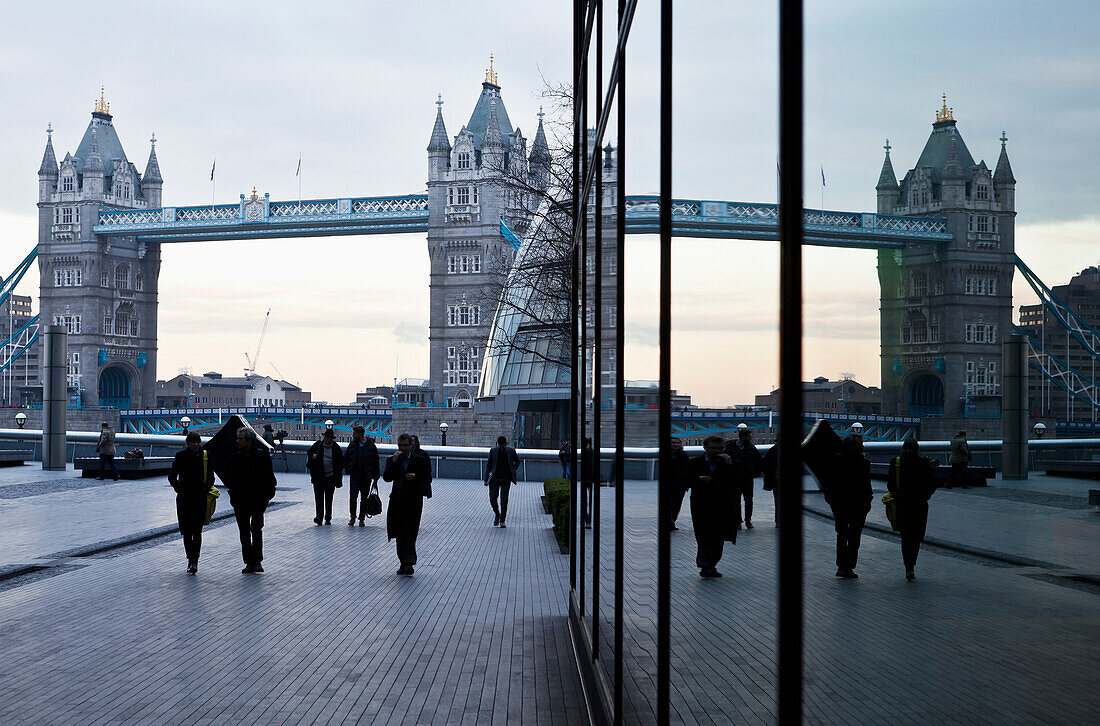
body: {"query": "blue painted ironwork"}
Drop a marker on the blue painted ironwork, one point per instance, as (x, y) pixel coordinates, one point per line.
(1059, 372)
(261, 218)
(698, 423)
(19, 343)
(8, 284)
(375, 421)
(510, 236)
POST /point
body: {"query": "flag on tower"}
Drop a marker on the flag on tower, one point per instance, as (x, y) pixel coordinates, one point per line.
(212, 168)
(298, 171)
(823, 176)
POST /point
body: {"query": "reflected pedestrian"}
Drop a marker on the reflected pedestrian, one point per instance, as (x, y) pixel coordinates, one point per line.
(589, 474)
(191, 476)
(411, 474)
(748, 464)
(771, 477)
(849, 496)
(105, 447)
(910, 481)
(565, 457)
(251, 486)
(500, 475)
(959, 458)
(681, 467)
(325, 462)
(361, 464)
(416, 445)
(713, 505)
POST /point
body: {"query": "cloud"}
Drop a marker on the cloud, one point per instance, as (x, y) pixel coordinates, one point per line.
(410, 333)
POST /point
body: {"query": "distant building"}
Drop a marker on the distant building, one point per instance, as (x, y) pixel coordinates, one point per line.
(213, 390)
(15, 312)
(824, 396)
(1082, 295)
(375, 397)
(644, 394)
(415, 392)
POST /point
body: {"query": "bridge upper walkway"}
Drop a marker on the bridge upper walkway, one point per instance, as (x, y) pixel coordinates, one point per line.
(262, 218)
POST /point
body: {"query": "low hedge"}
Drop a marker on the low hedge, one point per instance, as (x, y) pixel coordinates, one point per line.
(556, 503)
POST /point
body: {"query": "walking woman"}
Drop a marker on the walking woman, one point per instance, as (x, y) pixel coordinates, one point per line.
(191, 476)
(850, 499)
(910, 481)
(411, 474)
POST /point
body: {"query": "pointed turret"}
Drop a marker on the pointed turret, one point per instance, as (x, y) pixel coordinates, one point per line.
(48, 169)
(1003, 174)
(439, 141)
(151, 181)
(540, 150)
(492, 143)
(887, 179)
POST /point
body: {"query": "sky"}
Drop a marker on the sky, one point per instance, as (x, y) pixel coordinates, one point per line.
(350, 87)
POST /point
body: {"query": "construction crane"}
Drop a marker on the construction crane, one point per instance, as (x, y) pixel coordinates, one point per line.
(280, 373)
(251, 369)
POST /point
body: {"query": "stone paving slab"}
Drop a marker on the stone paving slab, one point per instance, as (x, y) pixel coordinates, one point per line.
(970, 642)
(329, 634)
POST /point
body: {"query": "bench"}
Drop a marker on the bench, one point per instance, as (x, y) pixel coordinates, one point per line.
(127, 468)
(15, 457)
(976, 476)
(1072, 469)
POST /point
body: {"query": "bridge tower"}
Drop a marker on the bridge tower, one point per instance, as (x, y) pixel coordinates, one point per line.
(472, 185)
(946, 306)
(103, 291)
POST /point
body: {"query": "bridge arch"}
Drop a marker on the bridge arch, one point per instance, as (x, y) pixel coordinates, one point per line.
(926, 395)
(114, 387)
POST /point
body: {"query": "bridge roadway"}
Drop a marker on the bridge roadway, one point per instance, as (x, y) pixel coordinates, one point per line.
(1000, 629)
(259, 217)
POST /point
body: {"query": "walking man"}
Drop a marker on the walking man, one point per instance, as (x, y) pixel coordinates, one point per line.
(565, 456)
(251, 487)
(191, 476)
(361, 464)
(713, 505)
(500, 475)
(959, 458)
(589, 475)
(105, 447)
(325, 462)
(850, 497)
(910, 481)
(411, 474)
(748, 463)
(681, 465)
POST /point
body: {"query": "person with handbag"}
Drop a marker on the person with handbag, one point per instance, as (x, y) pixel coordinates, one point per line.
(361, 465)
(959, 458)
(910, 481)
(251, 487)
(850, 497)
(714, 504)
(191, 476)
(411, 475)
(105, 447)
(325, 462)
(500, 475)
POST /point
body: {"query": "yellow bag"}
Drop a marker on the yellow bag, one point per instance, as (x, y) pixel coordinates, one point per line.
(213, 494)
(890, 501)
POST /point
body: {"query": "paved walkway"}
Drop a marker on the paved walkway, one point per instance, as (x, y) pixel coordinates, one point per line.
(329, 634)
(972, 641)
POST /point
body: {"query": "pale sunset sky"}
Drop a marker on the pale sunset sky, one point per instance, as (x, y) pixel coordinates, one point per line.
(350, 86)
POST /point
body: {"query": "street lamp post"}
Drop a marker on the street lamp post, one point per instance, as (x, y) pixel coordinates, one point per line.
(186, 423)
(20, 419)
(1040, 429)
(857, 428)
(443, 431)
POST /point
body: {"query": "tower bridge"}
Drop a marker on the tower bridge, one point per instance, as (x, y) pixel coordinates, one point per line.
(944, 235)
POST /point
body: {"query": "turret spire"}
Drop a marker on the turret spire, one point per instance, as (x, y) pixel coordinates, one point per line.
(540, 150)
(49, 161)
(152, 168)
(887, 179)
(439, 140)
(93, 164)
(1003, 173)
(493, 137)
(101, 106)
(490, 74)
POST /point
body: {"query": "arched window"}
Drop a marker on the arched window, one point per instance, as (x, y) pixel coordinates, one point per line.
(920, 284)
(122, 277)
(67, 183)
(464, 160)
(139, 281)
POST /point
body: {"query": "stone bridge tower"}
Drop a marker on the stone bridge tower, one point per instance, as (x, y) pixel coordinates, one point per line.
(945, 307)
(103, 291)
(472, 184)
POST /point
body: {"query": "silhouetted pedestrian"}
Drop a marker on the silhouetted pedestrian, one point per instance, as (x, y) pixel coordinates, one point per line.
(958, 458)
(589, 474)
(565, 457)
(910, 481)
(849, 496)
(748, 464)
(269, 435)
(105, 447)
(500, 475)
(361, 464)
(770, 467)
(251, 486)
(191, 476)
(713, 504)
(325, 462)
(681, 467)
(411, 474)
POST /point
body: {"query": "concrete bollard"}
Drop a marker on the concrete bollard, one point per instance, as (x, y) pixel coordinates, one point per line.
(1014, 408)
(55, 397)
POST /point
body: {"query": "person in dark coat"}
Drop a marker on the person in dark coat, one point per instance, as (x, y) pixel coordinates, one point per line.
(500, 475)
(959, 458)
(411, 474)
(191, 476)
(681, 466)
(325, 462)
(770, 470)
(910, 481)
(713, 504)
(850, 498)
(749, 464)
(251, 486)
(565, 458)
(361, 465)
(589, 474)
